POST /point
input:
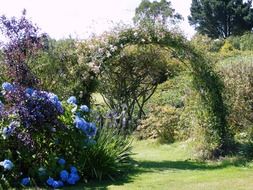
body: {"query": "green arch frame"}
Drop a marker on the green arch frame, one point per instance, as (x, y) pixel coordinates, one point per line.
(205, 79)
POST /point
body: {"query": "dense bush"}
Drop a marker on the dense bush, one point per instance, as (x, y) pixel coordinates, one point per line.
(33, 135)
(243, 43)
(164, 111)
(61, 70)
(238, 79)
(161, 123)
(176, 112)
(46, 141)
(109, 156)
(207, 44)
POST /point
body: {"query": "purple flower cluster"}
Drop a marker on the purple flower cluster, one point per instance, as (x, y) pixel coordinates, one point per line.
(26, 139)
(34, 107)
(40, 108)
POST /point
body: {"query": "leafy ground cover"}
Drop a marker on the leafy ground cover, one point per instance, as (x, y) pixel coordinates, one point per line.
(170, 167)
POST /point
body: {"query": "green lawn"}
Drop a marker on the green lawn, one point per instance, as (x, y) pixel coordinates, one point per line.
(170, 167)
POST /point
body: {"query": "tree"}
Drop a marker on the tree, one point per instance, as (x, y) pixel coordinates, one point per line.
(221, 18)
(23, 41)
(130, 79)
(151, 13)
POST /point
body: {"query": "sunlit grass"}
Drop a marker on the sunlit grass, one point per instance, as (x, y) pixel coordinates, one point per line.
(170, 167)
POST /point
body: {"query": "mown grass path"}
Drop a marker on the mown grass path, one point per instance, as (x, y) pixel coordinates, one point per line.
(169, 167)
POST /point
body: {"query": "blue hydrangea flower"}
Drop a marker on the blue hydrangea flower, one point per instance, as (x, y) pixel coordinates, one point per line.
(55, 101)
(73, 178)
(50, 181)
(6, 132)
(59, 107)
(7, 164)
(84, 108)
(64, 175)
(25, 181)
(71, 181)
(60, 183)
(57, 184)
(7, 86)
(73, 170)
(91, 130)
(29, 91)
(81, 123)
(35, 94)
(52, 97)
(72, 100)
(61, 161)
(1, 106)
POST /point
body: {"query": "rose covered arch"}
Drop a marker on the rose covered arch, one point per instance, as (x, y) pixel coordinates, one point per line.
(205, 79)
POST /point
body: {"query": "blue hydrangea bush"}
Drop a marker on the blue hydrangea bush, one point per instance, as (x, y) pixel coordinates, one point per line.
(43, 141)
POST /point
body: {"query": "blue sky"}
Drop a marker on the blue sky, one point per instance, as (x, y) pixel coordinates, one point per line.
(80, 18)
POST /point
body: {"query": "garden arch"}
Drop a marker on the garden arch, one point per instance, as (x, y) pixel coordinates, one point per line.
(205, 79)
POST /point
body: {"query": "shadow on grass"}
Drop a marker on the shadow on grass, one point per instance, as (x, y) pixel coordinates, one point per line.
(188, 165)
(152, 167)
(103, 185)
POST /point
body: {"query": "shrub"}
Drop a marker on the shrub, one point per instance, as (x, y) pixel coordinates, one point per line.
(238, 79)
(43, 139)
(33, 135)
(61, 71)
(207, 44)
(227, 47)
(243, 43)
(109, 156)
(161, 123)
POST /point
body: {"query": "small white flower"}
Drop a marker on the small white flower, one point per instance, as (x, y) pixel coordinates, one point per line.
(108, 54)
(74, 108)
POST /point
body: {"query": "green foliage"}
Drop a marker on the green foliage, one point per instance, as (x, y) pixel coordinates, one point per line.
(61, 72)
(205, 80)
(109, 156)
(243, 43)
(220, 19)
(207, 44)
(227, 47)
(131, 78)
(206, 141)
(165, 110)
(161, 123)
(236, 73)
